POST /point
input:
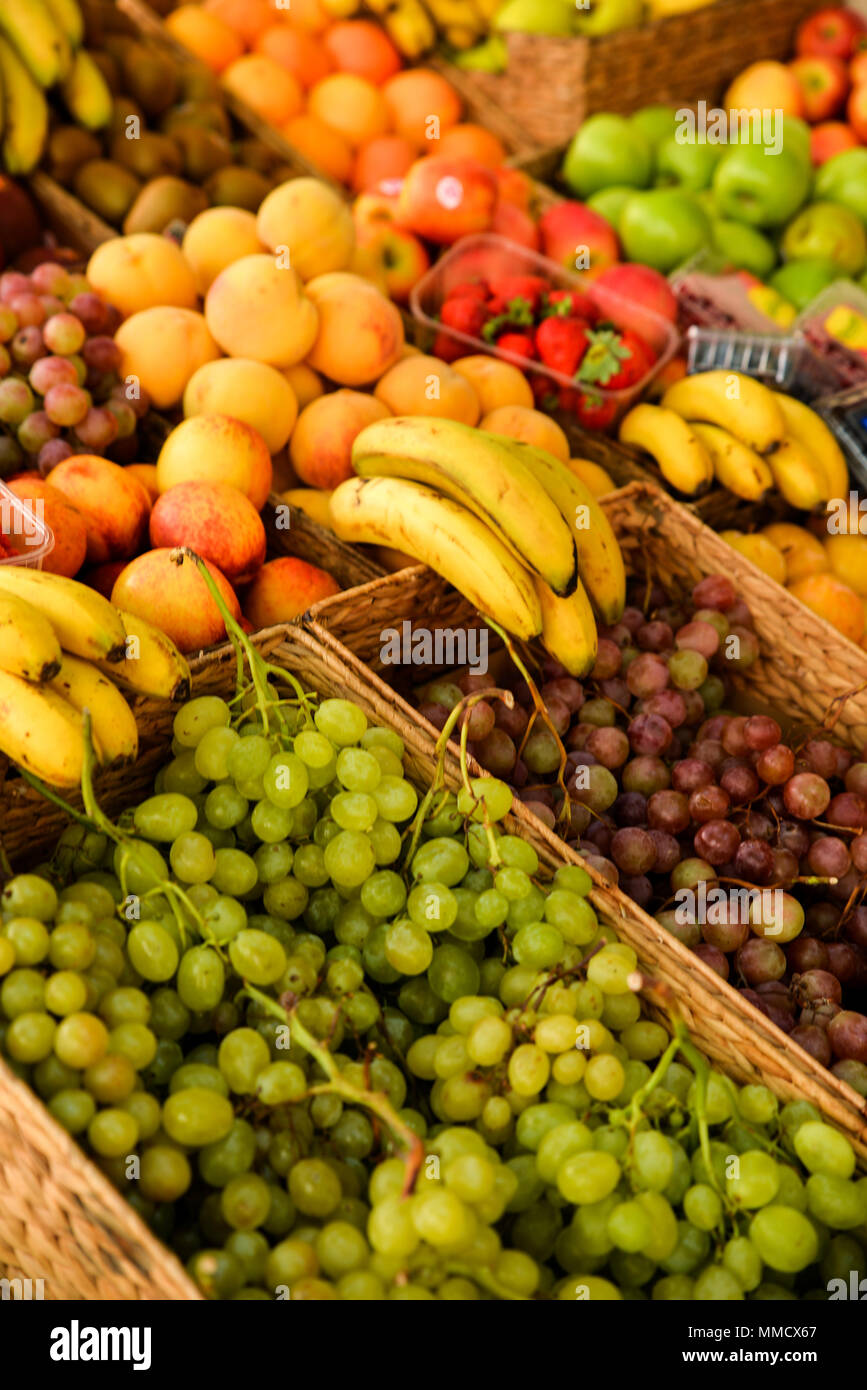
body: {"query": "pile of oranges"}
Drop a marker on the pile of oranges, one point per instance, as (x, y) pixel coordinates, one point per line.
(335, 88)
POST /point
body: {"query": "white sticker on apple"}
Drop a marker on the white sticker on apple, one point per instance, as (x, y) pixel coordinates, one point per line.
(450, 192)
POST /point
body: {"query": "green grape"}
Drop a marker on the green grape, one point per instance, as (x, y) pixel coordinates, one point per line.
(180, 775)
(112, 1132)
(152, 952)
(353, 1135)
(309, 866)
(610, 970)
(385, 840)
(396, 799)
(145, 1110)
(375, 956)
(837, 1203)
(194, 719)
(235, 872)
(757, 1105)
(314, 1187)
(192, 858)
(196, 1116)
(792, 1192)
(250, 1249)
(408, 947)
(29, 938)
(166, 816)
(213, 751)
(784, 1238)
(273, 862)
(653, 1161)
(244, 1201)
(537, 1121)
(354, 810)
(514, 884)
(340, 721)
(529, 1069)
(168, 1016)
(73, 1109)
(716, 1284)
(225, 807)
(72, 946)
(29, 895)
(110, 1080)
(358, 770)
(286, 780)
(573, 879)
(822, 1149)
(420, 1004)
(257, 957)
(166, 1061)
(573, 916)
(201, 1074)
(742, 1260)
(528, 909)
(271, 823)
(286, 899)
(50, 1076)
(65, 992)
(248, 758)
(217, 1273)
(229, 1156)
(755, 1182)
(629, 1227)
(465, 1013)
(604, 1077)
(201, 979)
(80, 1040)
(537, 945)
(384, 893)
(490, 795)
(314, 749)
(376, 737)
(30, 1036)
(349, 859)
(452, 972)
(703, 1207)
(135, 1042)
(165, 1173)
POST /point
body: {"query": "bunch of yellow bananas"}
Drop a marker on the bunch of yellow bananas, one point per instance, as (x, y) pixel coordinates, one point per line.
(729, 427)
(40, 48)
(60, 642)
(508, 525)
(416, 26)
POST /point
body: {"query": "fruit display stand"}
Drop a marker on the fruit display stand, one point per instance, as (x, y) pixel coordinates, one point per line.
(60, 1218)
(552, 83)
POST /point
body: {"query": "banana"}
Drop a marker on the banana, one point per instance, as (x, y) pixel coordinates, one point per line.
(482, 473)
(69, 19)
(115, 735)
(28, 645)
(40, 731)
(25, 114)
(683, 460)
(461, 36)
(440, 533)
(568, 628)
(798, 475)
(811, 432)
(409, 25)
(600, 563)
(42, 47)
(152, 664)
(86, 624)
(86, 93)
(737, 403)
(735, 465)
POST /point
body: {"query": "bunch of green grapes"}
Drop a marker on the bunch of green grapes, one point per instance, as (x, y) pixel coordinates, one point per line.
(332, 1044)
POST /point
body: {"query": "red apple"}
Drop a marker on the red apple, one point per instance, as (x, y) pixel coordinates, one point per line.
(636, 296)
(830, 138)
(858, 67)
(445, 199)
(374, 209)
(516, 225)
(856, 110)
(515, 187)
(830, 33)
(401, 258)
(571, 232)
(824, 83)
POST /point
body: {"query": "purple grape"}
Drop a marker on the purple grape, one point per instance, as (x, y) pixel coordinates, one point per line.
(668, 810)
(759, 960)
(645, 774)
(713, 958)
(649, 735)
(754, 861)
(610, 747)
(716, 841)
(667, 850)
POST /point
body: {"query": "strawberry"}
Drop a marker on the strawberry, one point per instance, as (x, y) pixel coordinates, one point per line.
(520, 344)
(632, 367)
(561, 344)
(567, 400)
(464, 314)
(518, 313)
(447, 348)
(529, 287)
(470, 289)
(570, 304)
(593, 412)
(614, 360)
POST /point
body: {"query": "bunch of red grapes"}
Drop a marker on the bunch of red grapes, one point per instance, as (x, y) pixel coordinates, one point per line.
(666, 789)
(60, 389)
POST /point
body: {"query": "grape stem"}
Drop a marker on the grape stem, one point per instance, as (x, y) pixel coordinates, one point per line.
(337, 1084)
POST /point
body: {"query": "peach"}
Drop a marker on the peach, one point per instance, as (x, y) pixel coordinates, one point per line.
(216, 238)
(142, 271)
(248, 18)
(174, 597)
(360, 46)
(297, 52)
(360, 331)
(312, 221)
(834, 601)
(422, 105)
(472, 142)
(257, 308)
(322, 145)
(246, 390)
(162, 348)
(495, 383)
(284, 589)
(113, 505)
(215, 522)
(309, 15)
(146, 473)
(419, 385)
(530, 427)
(306, 383)
(206, 35)
(765, 85)
(269, 90)
(65, 521)
(216, 448)
(350, 105)
(321, 445)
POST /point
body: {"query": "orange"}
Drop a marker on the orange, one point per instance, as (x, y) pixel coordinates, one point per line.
(248, 18)
(471, 142)
(386, 157)
(205, 35)
(847, 556)
(323, 146)
(296, 51)
(271, 91)
(802, 551)
(303, 14)
(834, 601)
(413, 98)
(350, 105)
(360, 46)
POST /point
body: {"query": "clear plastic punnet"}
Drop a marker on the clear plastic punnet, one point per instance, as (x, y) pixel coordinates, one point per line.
(25, 539)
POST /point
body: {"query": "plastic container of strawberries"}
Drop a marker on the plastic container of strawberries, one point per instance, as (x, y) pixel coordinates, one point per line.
(25, 539)
(714, 295)
(839, 310)
(486, 256)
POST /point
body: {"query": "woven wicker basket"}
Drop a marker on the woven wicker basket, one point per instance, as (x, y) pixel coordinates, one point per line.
(552, 84)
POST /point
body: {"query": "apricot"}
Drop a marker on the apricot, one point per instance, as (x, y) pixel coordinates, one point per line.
(284, 589)
(530, 427)
(216, 448)
(269, 90)
(495, 383)
(310, 15)
(834, 601)
(312, 221)
(206, 35)
(214, 521)
(320, 449)
(422, 105)
(592, 475)
(296, 51)
(112, 504)
(248, 18)
(351, 105)
(313, 502)
(246, 390)
(257, 308)
(323, 146)
(142, 271)
(419, 385)
(216, 238)
(360, 332)
(802, 551)
(762, 552)
(175, 598)
(306, 383)
(848, 559)
(469, 141)
(360, 46)
(65, 522)
(162, 348)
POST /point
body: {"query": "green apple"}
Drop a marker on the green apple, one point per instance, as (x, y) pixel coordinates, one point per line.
(706, 198)
(793, 139)
(595, 17)
(609, 203)
(663, 228)
(843, 179)
(743, 247)
(686, 165)
(761, 189)
(607, 150)
(535, 16)
(801, 281)
(656, 122)
(827, 231)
